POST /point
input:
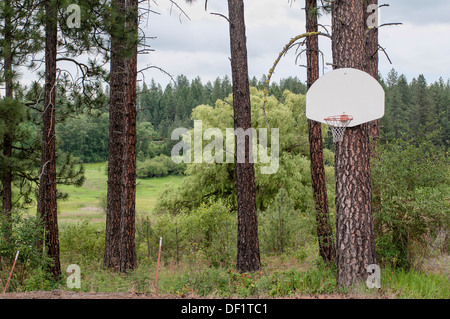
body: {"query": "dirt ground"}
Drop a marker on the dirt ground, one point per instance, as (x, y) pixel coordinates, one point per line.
(63, 294)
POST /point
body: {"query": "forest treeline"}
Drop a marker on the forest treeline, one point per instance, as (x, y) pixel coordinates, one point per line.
(413, 109)
(160, 111)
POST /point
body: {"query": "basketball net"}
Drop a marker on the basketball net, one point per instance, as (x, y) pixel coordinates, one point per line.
(338, 124)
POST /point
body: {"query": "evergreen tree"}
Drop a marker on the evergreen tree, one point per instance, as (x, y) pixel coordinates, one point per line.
(422, 113)
(20, 39)
(197, 94)
(217, 92)
(248, 258)
(440, 95)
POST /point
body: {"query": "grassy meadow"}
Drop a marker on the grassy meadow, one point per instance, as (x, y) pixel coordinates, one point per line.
(199, 269)
(88, 202)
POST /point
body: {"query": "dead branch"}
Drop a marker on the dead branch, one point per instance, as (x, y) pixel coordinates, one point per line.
(220, 15)
(385, 53)
(286, 48)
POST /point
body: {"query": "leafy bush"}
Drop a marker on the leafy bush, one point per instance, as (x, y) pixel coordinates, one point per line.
(151, 168)
(413, 182)
(24, 236)
(207, 233)
(211, 182)
(279, 225)
(159, 166)
(82, 243)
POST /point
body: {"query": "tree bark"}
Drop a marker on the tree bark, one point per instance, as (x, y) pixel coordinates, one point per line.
(47, 205)
(7, 140)
(248, 258)
(371, 67)
(117, 84)
(128, 259)
(354, 225)
(120, 250)
(324, 231)
(371, 63)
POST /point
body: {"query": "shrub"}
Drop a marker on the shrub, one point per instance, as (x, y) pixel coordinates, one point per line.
(159, 166)
(413, 183)
(82, 243)
(215, 227)
(282, 228)
(32, 263)
(207, 233)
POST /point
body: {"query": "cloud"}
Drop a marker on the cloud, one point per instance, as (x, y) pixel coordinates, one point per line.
(417, 12)
(417, 49)
(199, 46)
(204, 39)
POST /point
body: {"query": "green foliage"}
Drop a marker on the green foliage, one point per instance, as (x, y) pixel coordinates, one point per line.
(413, 180)
(281, 227)
(209, 232)
(413, 284)
(415, 109)
(32, 263)
(15, 125)
(159, 166)
(82, 243)
(160, 111)
(85, 137)
(228, 283)
(211, 182)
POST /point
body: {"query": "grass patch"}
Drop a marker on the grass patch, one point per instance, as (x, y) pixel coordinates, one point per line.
(88, 201)
(415, 284)
(184, 280)
(298, 272)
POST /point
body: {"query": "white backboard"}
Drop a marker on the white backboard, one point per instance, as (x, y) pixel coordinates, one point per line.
(345, 91)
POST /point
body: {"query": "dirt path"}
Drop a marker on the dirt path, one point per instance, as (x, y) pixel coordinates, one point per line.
(62, 294)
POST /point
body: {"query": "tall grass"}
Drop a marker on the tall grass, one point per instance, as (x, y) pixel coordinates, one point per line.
(194, 265)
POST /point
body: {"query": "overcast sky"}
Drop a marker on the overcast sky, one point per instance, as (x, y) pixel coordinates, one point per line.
(199, 46)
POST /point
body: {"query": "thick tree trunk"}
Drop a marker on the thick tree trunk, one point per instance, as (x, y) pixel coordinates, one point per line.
(128, 259)
(117, 84)
(324, 231)
(120, 250)
(248, 258)
(355, 247)
(47, 205)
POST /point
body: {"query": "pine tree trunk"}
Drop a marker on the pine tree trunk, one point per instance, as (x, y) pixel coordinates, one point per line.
(324, 231)
(355, 246)
(120, 250)
(128, 259)
(117, 84)
(248, 258)
(7, 140)
(47, 205)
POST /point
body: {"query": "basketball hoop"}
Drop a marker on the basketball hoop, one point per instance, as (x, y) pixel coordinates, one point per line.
(338, 124)
(344, 98)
